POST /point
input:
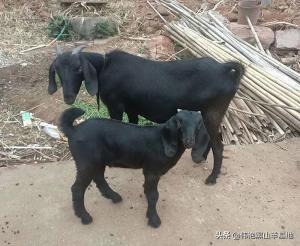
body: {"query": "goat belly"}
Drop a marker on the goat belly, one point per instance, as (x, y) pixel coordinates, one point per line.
(122, 165)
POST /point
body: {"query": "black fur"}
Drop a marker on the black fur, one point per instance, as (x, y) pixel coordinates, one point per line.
(97, 143)
(155, 89)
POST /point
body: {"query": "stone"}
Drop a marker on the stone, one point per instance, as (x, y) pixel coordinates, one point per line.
(232, 17)
(289, 60)
(265, 34)
(162, 10)
(288, 39)
(161, 47)
(84, 26)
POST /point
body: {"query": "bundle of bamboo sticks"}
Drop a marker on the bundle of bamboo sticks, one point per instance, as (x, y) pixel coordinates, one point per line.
(267, 106)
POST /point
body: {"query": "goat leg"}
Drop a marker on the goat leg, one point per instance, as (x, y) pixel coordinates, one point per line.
(151, 192)
(132, 117)
(103, 186)
(78, 190)
(115, 112)
(212, 121)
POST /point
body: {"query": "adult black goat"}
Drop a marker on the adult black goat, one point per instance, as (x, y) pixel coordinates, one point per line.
(153, 89)
(97, 143)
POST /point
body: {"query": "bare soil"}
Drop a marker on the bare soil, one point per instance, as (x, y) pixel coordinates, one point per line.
(258, 191)
(24, 85)
(280, 10)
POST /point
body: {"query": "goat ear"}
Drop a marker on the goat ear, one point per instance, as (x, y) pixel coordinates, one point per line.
(170, 137)
(52, 87)
(90, 77)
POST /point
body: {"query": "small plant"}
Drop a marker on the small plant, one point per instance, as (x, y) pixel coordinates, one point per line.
(105, 29)
(60, 27)
(91, 111)
(143, 49)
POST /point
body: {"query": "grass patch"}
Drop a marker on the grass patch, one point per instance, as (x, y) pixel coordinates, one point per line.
(105, 29)
(91, 111)
(61, 28)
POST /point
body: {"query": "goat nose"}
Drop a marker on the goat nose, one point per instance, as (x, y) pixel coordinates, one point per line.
(190, 142)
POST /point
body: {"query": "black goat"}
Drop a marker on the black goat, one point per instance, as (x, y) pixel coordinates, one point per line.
(97, 143)
(153, 89)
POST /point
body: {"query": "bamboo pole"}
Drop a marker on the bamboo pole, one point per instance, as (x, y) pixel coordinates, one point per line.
(270, 91)
(207, 53)
(255, 35)
(222, 31)
(268, 104)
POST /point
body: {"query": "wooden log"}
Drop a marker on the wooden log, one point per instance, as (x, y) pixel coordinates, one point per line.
(243, 128)
(230, 132)
(278, 120)
(234, 125)
(263, 95)
(276, 126)
(237, 121)
(257, 120)
(265, 121)
(249, 136)
(265, 103)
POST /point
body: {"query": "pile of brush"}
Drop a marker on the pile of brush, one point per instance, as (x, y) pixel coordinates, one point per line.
(267, 105)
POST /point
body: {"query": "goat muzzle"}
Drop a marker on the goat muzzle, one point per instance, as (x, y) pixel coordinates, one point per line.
(189, 143)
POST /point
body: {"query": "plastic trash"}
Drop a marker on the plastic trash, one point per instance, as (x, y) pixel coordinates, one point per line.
(50, 130)
(26, 118)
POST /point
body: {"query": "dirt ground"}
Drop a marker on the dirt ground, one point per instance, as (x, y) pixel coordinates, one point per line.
(258, 191)
(25, 84)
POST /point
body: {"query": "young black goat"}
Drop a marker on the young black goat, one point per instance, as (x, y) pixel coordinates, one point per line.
(153, 89)
(97, 143)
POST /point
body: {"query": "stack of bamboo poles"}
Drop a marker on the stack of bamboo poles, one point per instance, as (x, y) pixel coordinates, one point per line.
(267, 105)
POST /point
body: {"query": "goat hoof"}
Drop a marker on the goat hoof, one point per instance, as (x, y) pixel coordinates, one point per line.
(86, 219)
(116, 198)
(198, 158)
(154, 221)
(211, 180)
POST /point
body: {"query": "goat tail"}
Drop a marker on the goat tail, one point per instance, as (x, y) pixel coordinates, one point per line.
(67, 118)
(235, 69)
